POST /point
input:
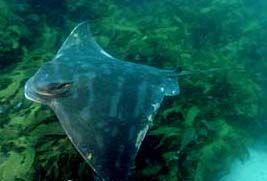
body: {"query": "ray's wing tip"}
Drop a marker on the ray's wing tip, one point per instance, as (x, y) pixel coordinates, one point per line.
(83, 24)
(173, 92)
(171, 87)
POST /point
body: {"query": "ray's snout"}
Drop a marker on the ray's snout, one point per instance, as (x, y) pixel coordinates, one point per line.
(30, 94)
(47, 83)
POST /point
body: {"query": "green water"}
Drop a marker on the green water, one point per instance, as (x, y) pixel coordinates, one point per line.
(202, 134)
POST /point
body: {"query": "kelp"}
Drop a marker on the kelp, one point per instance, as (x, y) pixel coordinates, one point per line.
(194, 135)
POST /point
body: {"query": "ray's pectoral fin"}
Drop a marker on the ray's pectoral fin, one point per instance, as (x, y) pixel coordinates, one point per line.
(80, 42)
(170, 86)
(105, 117)
(109, 143)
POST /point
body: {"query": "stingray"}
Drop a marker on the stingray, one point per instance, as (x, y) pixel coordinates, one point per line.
(104, 104)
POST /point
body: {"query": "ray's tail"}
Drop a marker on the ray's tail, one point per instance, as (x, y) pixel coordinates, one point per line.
(180, 73)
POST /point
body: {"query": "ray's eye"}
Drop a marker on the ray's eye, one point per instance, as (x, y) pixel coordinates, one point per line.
(57, 86)
(54, 89)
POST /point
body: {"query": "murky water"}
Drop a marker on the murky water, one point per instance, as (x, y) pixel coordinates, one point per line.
(215, 129)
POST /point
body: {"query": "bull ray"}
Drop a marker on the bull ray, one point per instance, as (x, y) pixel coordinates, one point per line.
(105, 105)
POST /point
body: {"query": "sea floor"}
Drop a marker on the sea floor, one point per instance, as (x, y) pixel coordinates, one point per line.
(252, 169)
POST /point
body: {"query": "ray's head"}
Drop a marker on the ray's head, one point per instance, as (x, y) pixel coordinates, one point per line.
(51, 81)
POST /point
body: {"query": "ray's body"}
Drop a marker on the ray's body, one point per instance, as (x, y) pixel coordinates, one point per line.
(105, 105)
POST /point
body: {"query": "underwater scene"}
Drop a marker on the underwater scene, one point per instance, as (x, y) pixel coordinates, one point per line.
(138, 90)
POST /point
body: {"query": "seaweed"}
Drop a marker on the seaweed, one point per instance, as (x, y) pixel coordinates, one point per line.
(194, 134)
